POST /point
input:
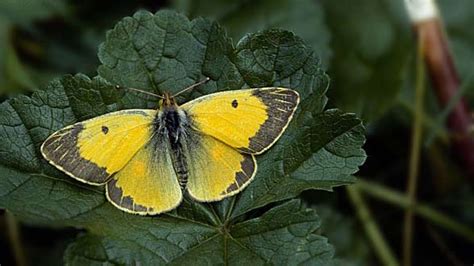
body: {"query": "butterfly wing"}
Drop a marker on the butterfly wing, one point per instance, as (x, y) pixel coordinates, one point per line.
(217, 170)
(147, 184)
(249, 120)
(92, 150)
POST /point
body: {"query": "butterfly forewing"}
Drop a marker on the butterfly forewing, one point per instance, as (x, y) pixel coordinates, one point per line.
(249, 120)
(92, 150)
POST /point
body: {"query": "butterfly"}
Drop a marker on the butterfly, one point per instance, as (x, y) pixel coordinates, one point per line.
(148, 159)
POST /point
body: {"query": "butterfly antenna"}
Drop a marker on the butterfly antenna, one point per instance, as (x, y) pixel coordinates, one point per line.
(142, 91)
(192, 86)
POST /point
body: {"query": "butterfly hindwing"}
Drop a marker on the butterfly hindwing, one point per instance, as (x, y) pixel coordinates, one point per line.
(249, 120)
(92, 150)
(147, 184)
(217, 170)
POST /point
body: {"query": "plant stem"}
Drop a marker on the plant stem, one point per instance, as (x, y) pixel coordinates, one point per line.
(15, 238)
(414, 157)
(399, 199)
(434, 128)
(446, 84)
(382, 249)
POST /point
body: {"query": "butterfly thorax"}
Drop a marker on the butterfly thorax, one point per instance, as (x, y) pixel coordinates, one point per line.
(171, 129)
(171, 120)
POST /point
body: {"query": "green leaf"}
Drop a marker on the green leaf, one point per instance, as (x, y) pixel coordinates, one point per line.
(166, 51)
(369, 66)
(303, 17)
(283, 236)
(325, 152)
(28, 185)
(367, 77)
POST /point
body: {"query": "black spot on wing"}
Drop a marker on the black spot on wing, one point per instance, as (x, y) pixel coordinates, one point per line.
(281, 104)
(62, 150)
(243, 176)
(105, 130)
(116, 196)
(235, 103)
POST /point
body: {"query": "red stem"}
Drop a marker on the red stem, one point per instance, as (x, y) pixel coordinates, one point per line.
(445, 81)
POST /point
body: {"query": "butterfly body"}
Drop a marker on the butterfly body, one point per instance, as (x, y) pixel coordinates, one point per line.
(172, 132)
(149, 158)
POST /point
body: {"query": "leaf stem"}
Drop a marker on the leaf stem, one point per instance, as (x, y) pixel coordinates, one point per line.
(399, 199)
(230, 209)
(382, 249)
(15, 238)
(414, 156)
(217, 219)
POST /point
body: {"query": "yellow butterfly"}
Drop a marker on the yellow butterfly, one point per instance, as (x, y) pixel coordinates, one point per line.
(148, 158)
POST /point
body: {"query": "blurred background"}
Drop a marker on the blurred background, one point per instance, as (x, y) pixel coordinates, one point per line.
(380, 69)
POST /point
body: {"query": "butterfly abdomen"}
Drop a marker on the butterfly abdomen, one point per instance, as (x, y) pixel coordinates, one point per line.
(179, 159)
(180, 166)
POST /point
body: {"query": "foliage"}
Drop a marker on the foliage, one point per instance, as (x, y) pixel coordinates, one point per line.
(166, 51)
(367, 49)
(303, 17)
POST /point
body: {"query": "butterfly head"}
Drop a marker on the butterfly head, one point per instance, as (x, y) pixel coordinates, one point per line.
(167, 100)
